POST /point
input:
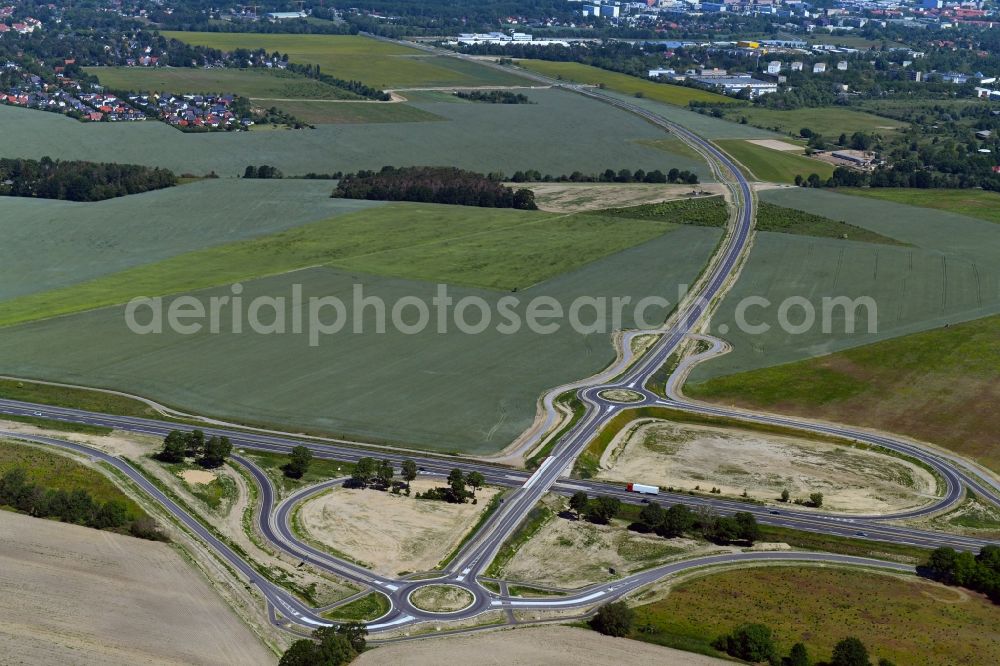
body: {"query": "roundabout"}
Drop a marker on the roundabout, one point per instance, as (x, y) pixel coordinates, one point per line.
(621, 395)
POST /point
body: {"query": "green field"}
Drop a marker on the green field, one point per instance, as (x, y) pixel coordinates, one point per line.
(622, 83)
(791, 221)
(52, 470)
(774, 165)
(476, 247)
(939, 386)
(84, 241)
(255, 83)
(480, 137)
(904, 619)
(975, 203)
(828, 121)
(376, 63)
(346, 383)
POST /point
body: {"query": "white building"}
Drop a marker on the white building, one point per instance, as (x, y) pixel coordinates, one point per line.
(774, 67)
(656, 73)
(797, 66)
(737, 83)
(819, 68)
(842, 65)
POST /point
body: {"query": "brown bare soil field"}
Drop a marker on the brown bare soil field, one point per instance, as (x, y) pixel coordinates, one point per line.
(576, 197)
(391, 533)
(73, 595)
(685, 456)
(553, 646)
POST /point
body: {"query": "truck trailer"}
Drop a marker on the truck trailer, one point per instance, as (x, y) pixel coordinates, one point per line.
(643, 489)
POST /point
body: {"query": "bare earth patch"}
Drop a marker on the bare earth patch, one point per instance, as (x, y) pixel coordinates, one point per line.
(686, 456)
(554, 646)
(73, 595)
(576, 197)
(200, 476)
(391, 533)
(775, 144)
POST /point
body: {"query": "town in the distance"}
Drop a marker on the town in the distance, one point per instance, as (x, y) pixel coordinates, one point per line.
(500, 331)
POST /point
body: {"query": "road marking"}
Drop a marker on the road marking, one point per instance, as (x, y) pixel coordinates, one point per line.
(398, 620)
(563, 602)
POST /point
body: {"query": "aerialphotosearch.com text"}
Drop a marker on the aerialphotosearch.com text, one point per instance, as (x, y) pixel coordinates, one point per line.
(317, 317)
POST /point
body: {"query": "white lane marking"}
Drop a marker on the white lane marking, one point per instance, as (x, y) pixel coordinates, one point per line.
(399, 620)
(571, 486)
(390, 586)
(564, 602)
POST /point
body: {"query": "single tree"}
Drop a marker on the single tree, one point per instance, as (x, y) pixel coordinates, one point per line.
(578, 502)
(195, 443)
(816, 499)
(677, 520)
(217, 449)
(850, 652)
(174, 447)
(356, 633)
(299, 461)
(603, 509)
(751, 642)
(799, 656)
(614, 619)
(363, 472)
(651, 517)
(747, 529)
(409, 471)
(385, 473)
(476, 480)
(456, 481)
(785, 495)
(111, 514)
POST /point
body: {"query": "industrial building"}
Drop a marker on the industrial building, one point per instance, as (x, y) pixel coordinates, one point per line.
(737, 83)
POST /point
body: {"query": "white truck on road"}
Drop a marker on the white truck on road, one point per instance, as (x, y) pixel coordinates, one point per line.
(643, 489)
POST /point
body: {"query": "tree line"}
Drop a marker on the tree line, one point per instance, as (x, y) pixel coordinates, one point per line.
(755, 643)
(76, 180)
(606, 176)
(494, 96)
(211, 452)
(444, 185)
(265, 171)
(674, 521)
(979, 572)
(76, 506)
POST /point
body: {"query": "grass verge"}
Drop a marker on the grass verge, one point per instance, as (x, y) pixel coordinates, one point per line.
(365, 609)
(774, 165)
